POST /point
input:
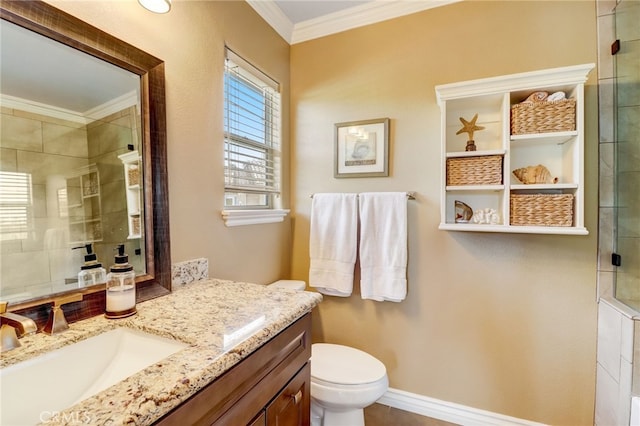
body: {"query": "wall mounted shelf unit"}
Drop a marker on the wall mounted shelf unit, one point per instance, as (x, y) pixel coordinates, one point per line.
(561, 152)
(84, 205)
(133, 187)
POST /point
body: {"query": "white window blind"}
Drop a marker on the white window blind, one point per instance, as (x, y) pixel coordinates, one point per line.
(15, 205)
(252, 135)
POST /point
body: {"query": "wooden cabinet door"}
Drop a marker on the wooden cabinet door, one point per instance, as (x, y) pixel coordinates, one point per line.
(292, 406)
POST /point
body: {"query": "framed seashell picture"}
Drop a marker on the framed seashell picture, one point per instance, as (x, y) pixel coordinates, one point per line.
(362, 148)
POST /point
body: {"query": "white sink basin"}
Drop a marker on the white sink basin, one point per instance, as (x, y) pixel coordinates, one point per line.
(34, 390)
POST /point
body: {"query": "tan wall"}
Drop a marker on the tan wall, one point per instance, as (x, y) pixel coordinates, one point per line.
(500, 322)
(191, 39)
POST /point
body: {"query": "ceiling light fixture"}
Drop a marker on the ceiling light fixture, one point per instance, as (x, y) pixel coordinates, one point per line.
(157, 6)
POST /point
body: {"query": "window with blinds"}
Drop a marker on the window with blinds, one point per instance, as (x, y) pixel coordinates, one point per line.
(251, 136)
(15, 205)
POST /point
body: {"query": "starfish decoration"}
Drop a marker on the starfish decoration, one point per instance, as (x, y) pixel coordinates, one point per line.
(469, 126)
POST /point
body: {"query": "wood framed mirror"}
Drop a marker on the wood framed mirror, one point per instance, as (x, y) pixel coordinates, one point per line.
(155, 277)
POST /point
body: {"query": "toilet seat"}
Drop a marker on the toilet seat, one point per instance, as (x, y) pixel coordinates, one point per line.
(342, 365)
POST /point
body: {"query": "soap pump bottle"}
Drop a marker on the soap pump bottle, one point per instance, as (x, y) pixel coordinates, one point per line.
(121, 287)
(92, 272)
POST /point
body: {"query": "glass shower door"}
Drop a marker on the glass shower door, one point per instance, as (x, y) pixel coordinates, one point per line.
(627, 112)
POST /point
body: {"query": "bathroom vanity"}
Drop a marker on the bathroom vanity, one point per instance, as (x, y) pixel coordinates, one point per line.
(246, 359)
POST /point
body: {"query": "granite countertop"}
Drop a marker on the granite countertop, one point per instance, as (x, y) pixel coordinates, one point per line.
(198, 314)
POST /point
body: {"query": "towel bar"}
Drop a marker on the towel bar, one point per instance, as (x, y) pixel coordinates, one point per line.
(411, 195)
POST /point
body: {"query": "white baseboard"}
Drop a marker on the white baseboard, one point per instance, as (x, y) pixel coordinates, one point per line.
(448, 411)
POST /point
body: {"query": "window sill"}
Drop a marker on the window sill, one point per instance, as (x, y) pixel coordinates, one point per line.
(253, 217)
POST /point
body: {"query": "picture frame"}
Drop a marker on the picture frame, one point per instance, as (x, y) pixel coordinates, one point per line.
(362, 148)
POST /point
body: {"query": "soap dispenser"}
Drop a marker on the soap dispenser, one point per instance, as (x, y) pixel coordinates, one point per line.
(121, 287)
(92, 272)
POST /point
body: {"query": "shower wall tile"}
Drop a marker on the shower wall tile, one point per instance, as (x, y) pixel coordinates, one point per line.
(605, 7)
(8, 160)
(628, 16)
(606, 283)
(606, 398)
(606, 92)
(21, 133)
(628, 67)
(108, 137)
(13, 279)
(628, 155)
(624, 389)
(628, 123)
(64, 140)
(113, 198)
(79, 124)
(609, 339)
(42, 165)
(606, 181)
(606, 36)
(606, 242)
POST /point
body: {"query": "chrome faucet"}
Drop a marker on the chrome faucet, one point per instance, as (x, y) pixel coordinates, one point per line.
(13, 327)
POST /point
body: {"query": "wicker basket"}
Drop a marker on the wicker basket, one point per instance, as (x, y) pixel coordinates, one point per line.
(481, 170)
(134, 175)
(543, 117)
(541, 209)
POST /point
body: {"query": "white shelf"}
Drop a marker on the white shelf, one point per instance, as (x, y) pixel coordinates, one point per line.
(132, 175)
(513, 229)
(556, 138)
(544, 187)
(460, 154)
(562, 153)
(475, 187)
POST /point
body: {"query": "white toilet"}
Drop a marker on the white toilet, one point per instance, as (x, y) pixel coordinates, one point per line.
(344, 380)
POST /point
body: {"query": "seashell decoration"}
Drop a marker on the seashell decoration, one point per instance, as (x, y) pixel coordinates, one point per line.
(486, 216)
(463, 212)
(534, 174)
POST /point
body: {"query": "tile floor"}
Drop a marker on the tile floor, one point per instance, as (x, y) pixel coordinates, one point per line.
(382, 415)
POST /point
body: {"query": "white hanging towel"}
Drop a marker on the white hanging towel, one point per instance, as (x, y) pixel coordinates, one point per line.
(383, 246)
(333, 243)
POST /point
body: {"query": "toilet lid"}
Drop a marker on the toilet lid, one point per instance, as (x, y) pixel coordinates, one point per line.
(344, 365)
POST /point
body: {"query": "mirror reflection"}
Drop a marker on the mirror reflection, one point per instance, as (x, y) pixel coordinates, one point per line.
(70, 166)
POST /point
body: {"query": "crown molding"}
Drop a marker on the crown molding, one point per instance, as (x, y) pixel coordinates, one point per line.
(34, 107)
(83, 118)
(353, 17)
(275, 17)
(359, 16)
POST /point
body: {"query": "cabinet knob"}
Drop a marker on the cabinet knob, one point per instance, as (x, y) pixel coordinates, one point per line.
(297, 397)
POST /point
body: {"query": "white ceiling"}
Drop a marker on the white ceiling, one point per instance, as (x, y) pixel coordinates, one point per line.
(301, 20)
(303, 10)
(40, 71)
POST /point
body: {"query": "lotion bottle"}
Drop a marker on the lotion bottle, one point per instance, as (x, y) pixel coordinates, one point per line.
(92, 272)
(121, 287)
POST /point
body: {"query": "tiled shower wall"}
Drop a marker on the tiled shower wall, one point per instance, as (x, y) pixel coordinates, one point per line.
(46, 148)
(49, 149)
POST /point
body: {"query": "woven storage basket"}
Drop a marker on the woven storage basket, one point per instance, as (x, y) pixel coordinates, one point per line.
(543, 117)
(541, 209)
(481, 170)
